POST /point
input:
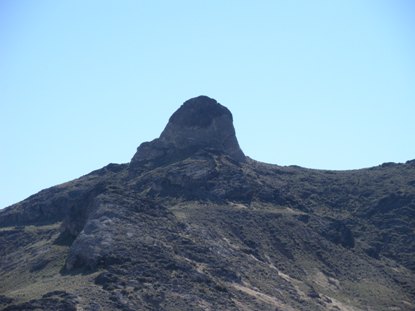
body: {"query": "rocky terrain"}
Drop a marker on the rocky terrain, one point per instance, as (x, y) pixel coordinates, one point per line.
(191, 223)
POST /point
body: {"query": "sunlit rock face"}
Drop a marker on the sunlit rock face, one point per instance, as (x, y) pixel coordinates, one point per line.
(201, 123)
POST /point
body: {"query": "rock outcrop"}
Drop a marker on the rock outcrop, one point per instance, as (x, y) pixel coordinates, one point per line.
(201, 123)
(193, 224)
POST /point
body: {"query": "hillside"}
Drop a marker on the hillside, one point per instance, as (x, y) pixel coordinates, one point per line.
(191, 223)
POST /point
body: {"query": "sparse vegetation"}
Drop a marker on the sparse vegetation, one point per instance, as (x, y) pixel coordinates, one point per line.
(206, 231)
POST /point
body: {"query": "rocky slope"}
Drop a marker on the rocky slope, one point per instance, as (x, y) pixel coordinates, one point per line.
(192, 224)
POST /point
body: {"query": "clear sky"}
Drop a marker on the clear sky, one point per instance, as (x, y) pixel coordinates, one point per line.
(320, 84)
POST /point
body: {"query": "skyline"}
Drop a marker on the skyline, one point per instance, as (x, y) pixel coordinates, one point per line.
(321, 85)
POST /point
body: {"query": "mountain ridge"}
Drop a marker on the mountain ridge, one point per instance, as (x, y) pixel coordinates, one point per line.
(192, 224)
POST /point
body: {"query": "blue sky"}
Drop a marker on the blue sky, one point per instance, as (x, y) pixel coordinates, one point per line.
(320, 84)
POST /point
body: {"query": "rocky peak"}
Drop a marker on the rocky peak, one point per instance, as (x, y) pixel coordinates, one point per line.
(199, 112)
(201, 123)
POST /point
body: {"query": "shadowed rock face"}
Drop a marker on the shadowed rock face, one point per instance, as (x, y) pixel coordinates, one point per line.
(200, 123)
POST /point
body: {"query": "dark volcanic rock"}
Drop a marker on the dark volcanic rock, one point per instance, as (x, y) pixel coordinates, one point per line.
(57, 300)
(4, 300)
(200, 123)
(193, 224)
(337, 232)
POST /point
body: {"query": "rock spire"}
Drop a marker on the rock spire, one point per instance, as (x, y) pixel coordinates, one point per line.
(201, 123)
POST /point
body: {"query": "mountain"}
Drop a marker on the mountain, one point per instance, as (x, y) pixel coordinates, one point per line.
(191, 223)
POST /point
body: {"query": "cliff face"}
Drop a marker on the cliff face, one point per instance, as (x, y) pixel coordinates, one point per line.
(200, 124)
(192, 224)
